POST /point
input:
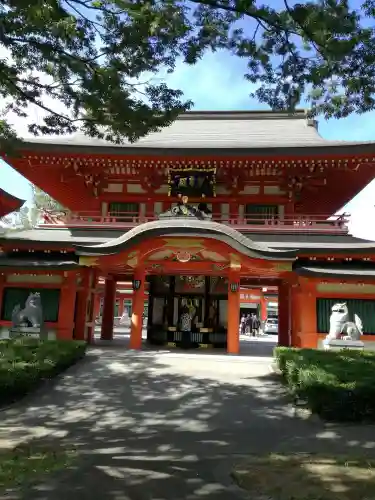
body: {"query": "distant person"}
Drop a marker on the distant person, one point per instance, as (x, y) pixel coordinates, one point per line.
(248, 324)
(255, 324)
(243, 325)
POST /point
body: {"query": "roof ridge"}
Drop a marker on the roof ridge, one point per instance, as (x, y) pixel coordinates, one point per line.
(262, 114)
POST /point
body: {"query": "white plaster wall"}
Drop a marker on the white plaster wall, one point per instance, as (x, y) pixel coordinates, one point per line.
(222, 190)
(135, 188)
(273, 190)
(250, 189)
(164, 189)
(114, 188)
(158, 207)
(224, 211)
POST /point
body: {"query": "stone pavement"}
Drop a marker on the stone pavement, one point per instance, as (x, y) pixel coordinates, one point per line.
(166, 425)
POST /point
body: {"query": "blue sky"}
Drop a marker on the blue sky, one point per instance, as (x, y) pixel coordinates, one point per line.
(217, 83)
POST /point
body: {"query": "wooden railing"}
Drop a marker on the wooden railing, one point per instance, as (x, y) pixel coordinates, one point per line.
(288, 223)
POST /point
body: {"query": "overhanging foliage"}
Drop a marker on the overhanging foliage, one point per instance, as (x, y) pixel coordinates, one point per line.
(83, 62)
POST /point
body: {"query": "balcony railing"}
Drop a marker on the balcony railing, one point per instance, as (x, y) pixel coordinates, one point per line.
(336, 224)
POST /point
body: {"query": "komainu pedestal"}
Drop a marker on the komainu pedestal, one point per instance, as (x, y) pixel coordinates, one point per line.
(343, 333)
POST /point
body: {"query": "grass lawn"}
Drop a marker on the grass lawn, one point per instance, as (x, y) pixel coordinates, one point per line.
(306, 477)
(26, 465)
(26, 362)
(338, 386)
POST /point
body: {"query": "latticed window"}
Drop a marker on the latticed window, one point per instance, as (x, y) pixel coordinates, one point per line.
(256, 214)
(50, 299)
(364, 308)
(124, 211)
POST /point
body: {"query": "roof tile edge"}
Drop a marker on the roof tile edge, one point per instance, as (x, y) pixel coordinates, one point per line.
(268, 114)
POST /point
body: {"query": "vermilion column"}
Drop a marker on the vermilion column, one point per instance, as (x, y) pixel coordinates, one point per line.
(308, 335)
(67, 307)
(121, 304)
(96, 305)
(263, 308)
(83, 295)
(108, 308)
(2, 282)
(233, 334)
(137, 309)
(284, 314)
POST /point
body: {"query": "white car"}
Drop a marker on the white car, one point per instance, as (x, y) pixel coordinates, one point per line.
(271, 325)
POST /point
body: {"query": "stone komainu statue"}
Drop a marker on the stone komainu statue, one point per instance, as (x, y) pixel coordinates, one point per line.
(30, 315)
(340, 326)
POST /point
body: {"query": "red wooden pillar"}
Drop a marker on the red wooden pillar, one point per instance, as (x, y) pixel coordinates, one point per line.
(263, 308)
(90, 317)
(108, 308)
(233, 334)
(2, 286)
(284, 314)
(308, 336)
(297, 301)
(67, 307)
(137, 309)
(96, 305)
(83, 296)
(120, 304)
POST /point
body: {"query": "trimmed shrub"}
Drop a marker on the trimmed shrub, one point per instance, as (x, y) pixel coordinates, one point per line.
(26, 362)
(339, 386)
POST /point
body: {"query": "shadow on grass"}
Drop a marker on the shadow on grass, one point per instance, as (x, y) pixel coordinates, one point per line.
(307, 477)
(152, 425)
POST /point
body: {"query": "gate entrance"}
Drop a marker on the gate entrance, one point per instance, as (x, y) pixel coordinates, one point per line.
(188, 310)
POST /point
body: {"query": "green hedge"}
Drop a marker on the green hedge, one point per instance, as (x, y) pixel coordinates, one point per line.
(339, 386)
(26, 362)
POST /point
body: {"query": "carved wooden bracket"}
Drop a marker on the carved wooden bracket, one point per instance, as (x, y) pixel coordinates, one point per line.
(152, 178)
(233, 178)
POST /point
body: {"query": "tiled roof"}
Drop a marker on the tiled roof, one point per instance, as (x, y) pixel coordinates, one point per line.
(221, 130)
(9, 203)
(190, 226)
(32, 263)
(306, 242)
(344, 272)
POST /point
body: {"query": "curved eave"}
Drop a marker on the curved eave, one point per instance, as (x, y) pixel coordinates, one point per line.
(38, 264)
(354, 273)
(186, 228)
(326, 148)
(9, 203)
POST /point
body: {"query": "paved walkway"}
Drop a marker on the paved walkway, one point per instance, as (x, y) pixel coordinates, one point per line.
(163, 426)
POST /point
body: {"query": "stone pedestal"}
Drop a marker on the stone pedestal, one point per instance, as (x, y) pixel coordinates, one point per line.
(339, 345)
